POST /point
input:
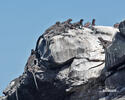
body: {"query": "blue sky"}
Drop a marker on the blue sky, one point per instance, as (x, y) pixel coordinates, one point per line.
(23, 21)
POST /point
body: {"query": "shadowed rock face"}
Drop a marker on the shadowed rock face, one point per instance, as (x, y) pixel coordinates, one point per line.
(67, 64)
(115, 65)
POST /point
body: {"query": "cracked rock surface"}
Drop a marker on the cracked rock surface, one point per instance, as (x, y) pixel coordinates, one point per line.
(69, 64)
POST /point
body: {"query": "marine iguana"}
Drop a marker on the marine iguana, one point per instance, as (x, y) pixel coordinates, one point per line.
(104, 43)
(78, 24)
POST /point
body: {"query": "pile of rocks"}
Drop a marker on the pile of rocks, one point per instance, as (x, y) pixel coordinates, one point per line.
(69, 64)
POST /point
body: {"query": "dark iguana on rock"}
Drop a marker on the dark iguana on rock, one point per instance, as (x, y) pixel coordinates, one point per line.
(78, 24)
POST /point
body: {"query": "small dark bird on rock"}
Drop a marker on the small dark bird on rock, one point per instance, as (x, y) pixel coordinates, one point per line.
(81, 21)
(93, 22)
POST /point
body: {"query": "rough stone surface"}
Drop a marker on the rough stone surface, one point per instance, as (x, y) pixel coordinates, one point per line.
(114, 67)
(69, 63)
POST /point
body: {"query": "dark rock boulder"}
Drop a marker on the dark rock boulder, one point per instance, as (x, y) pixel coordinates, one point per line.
(115, 65)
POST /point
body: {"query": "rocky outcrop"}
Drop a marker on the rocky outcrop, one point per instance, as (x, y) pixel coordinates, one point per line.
(69, 64)
(115, 61)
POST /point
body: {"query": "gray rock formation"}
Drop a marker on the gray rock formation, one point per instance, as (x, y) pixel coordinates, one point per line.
(69, 64)
(115, 61)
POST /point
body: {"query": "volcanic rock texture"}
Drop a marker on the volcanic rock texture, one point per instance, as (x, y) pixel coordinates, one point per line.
(69, 63)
